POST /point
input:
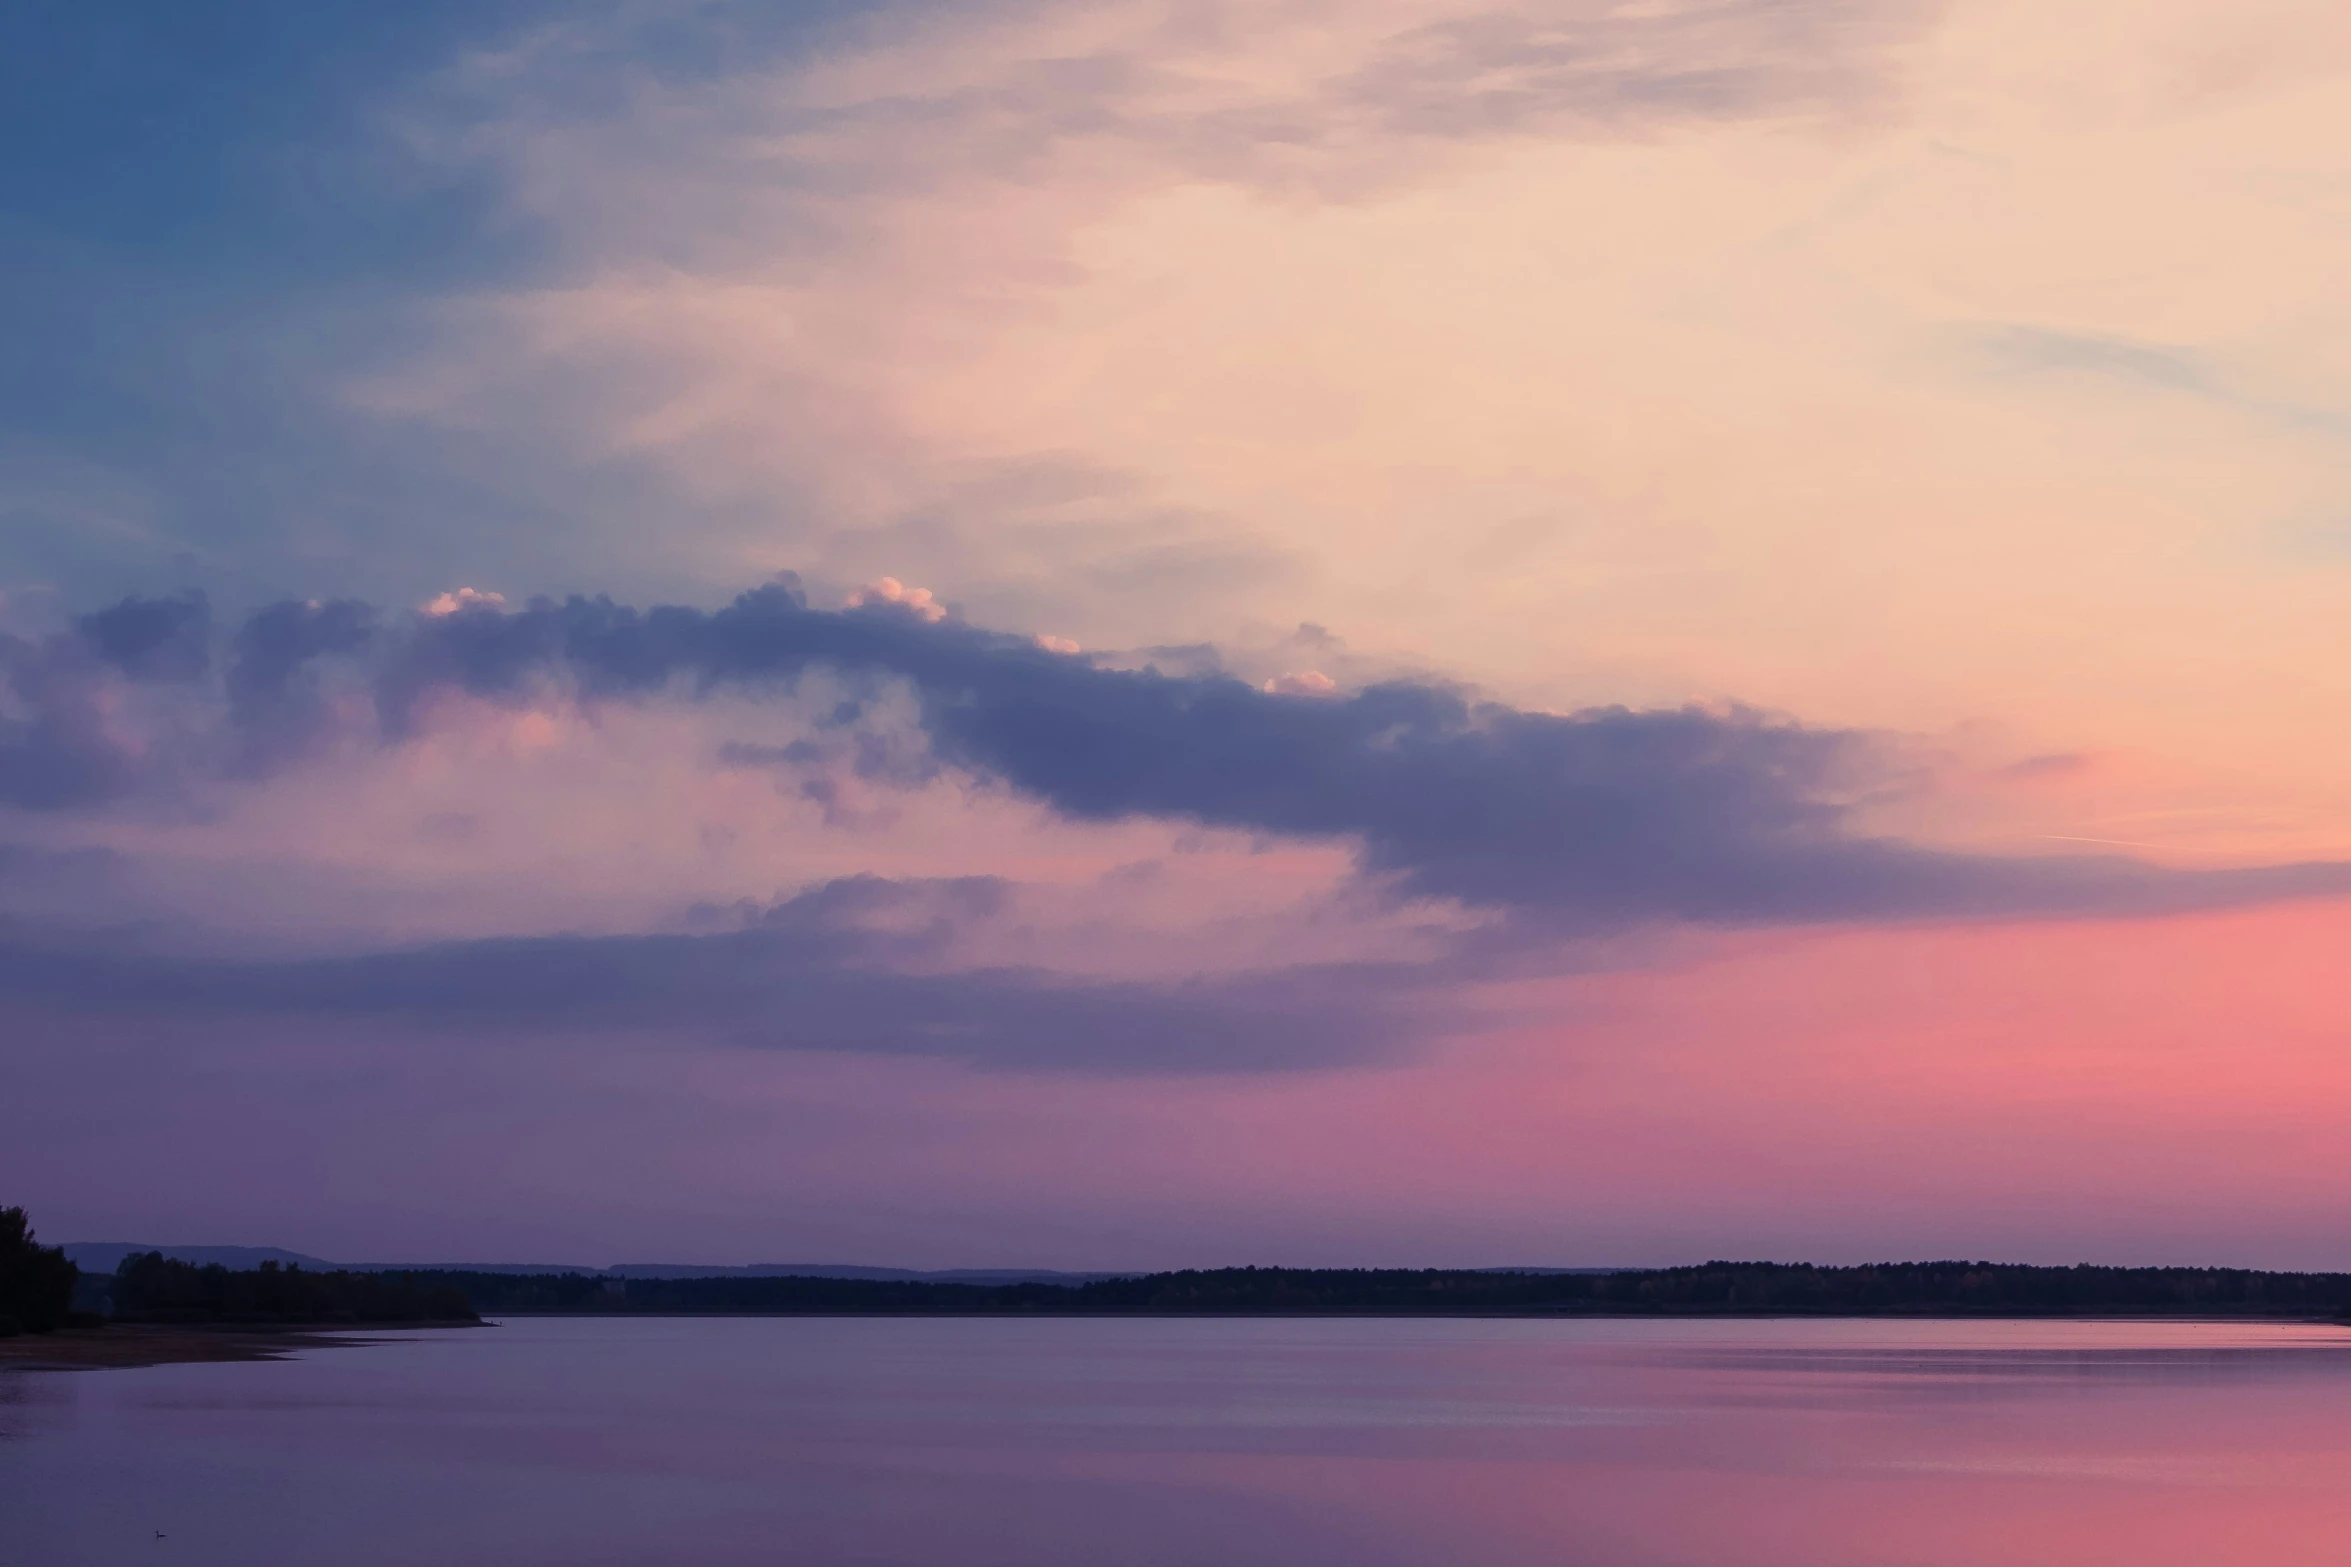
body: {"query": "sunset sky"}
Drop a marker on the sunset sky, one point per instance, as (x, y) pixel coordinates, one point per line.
(1125, 634)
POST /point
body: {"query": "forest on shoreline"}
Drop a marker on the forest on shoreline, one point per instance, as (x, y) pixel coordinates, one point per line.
(150, 1287)
(1931, 1289)
(38, 1285)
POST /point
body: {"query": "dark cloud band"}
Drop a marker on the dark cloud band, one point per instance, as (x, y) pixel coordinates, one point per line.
(1587, 820)
(808, 975)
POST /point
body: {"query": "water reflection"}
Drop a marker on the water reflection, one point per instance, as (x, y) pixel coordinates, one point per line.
(2065, 1351)
(28, 1402)
(816, 1442)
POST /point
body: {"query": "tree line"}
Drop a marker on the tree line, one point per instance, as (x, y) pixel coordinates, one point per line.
(1923, 1289)
(150, 1287)
(37, 1286)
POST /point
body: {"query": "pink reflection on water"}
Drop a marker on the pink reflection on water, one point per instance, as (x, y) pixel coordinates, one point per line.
(1172, 1443)
(1859, 1444)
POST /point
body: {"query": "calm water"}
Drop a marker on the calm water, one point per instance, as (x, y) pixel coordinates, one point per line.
(1204, 1443)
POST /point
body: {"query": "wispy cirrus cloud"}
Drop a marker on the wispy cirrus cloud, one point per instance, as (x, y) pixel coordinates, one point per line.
(1309, 99)
(786, 285)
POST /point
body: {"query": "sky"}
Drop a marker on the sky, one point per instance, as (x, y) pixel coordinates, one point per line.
(1178, 632)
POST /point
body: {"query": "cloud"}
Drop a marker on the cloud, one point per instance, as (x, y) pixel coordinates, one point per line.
(1489, 841)
(155, 639)
(65, 738)
(2050, 768)
(275, 695)
(2020, 348)
(915, 601)
(61, 742)
(842, 967)
(1254, 92)
(815, 302)
(2138, 366)
(1610, 67)
(462, 598)
(1570, 822)
(1599, 818)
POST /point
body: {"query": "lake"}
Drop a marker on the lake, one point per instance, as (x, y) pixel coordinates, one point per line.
(1205, 1443)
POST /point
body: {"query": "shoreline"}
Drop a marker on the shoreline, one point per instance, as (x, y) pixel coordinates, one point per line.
(126, 1346)
(133, 1344)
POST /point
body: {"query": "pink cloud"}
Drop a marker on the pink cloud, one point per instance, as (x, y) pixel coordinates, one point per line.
(461, 598)
(889, 590)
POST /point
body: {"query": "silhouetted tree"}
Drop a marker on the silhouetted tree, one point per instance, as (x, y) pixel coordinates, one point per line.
(36, 1282)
